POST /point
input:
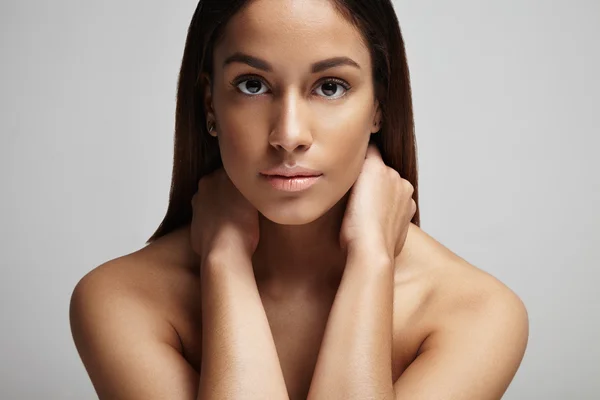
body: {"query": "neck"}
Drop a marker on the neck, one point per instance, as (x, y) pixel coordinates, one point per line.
(301, 256)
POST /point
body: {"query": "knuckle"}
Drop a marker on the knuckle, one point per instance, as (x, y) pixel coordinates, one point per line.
(393, 174)
(408, 186)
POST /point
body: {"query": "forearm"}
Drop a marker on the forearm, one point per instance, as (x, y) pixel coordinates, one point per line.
(355, 359)
(239, 358)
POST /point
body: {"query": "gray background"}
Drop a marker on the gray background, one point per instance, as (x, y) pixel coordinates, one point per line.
(506, 98)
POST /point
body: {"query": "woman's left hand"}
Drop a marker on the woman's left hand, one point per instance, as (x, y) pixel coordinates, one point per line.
(379, 209)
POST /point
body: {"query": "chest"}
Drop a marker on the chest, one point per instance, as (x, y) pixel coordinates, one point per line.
(298, 326)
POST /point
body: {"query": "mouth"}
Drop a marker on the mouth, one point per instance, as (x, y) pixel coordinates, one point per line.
(294, 183)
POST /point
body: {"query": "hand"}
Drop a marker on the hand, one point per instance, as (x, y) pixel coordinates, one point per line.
(222, 217)
(379, 209)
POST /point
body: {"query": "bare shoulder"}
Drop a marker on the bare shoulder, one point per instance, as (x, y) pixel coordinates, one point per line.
(469, 322)
(150, 278)
(123, 315)
(452, 284)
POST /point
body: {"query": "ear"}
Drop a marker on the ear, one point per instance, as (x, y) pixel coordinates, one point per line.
(377, 118)
(208, 101)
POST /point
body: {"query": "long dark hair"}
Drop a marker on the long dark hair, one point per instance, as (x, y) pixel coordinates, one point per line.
(197, 153)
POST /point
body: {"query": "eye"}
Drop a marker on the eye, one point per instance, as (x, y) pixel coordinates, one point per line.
(333, 89)
(250, 86)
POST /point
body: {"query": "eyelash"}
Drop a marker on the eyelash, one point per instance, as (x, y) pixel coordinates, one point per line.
(236, 82)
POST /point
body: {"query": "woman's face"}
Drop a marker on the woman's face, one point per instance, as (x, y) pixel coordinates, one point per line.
(277, 103)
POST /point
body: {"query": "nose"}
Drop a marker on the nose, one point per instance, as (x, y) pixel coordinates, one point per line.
(290, 131)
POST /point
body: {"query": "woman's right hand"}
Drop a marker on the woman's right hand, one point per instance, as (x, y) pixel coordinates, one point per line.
(223, 219)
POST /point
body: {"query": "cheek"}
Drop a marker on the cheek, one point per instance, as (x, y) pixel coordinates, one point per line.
(344, 137)
(238, 127)
(239, 156)
(347, 164)
(239, 141)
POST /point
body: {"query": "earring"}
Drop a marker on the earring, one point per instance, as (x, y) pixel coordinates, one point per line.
(210, 125)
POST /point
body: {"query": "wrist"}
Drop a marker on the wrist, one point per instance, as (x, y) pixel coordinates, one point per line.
(233, 240)
(222, 260)
(372, 246)
(227, 250)
(225, 244)
(376, 256)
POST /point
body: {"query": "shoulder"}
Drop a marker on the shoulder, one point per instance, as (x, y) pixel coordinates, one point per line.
(452, 284)
(125, 288)
(472, 324)
(454, 289)
(140, 282)
(469, 304)
(122, 318)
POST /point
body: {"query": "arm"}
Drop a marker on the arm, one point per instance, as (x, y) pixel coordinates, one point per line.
(239, 358)
(355, 359)
(132, 352)
(472, 355)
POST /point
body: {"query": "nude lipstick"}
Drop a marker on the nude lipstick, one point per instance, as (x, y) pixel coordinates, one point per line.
(291, 179)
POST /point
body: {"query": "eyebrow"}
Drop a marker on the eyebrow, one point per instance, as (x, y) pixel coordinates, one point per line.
(265, 66)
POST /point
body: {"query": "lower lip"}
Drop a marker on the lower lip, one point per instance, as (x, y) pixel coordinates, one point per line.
(293, 184)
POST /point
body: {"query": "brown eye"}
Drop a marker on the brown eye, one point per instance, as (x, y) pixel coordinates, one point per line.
(250, 87)
(329, 89)
(333, 89)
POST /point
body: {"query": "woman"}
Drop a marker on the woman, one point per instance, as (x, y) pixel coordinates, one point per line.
(290, 263)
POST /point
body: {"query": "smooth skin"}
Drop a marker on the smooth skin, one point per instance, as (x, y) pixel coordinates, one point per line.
(325, 294)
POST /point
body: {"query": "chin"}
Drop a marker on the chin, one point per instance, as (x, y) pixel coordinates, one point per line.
(294, 209)
(291, 214)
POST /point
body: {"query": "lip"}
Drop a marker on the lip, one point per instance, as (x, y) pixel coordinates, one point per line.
(290, 172)
(291, 184)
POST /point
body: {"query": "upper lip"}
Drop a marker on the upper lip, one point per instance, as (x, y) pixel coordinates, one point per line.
(294, 171)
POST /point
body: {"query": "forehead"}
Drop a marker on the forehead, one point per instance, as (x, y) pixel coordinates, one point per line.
(293, 33)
